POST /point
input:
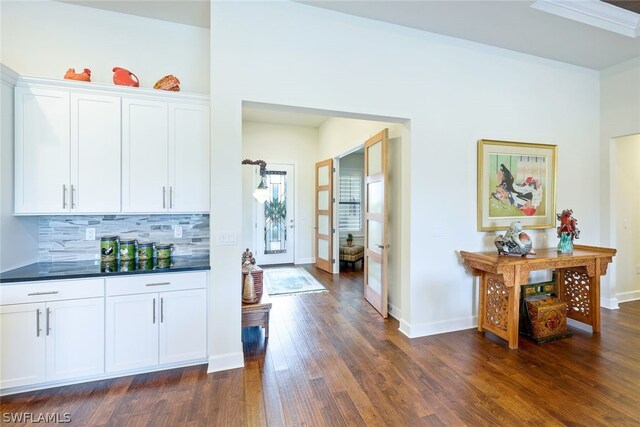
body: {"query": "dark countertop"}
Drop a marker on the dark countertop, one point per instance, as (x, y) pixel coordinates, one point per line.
(83, 269)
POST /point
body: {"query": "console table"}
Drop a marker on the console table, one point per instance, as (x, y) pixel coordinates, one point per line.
(257, 314)
(577, 283)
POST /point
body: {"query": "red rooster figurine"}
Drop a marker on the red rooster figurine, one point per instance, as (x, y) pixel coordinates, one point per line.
(71, 74)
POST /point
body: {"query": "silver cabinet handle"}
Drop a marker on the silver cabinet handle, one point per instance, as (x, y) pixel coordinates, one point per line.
(171, 197)
(64, 196)
(161, 310)
(164, 197)
(38, 330)
(34, 294)
(48, 320)
(158, 284)
(154, 311)
(73, 205)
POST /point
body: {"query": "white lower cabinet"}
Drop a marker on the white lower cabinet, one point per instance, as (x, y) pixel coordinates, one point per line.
(153, 327)
(50, 340)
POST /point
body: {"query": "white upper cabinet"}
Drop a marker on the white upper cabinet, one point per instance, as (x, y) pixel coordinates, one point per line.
(165, 156)
(189, 157)
(43, 148)
(67, 152)
(145, 151)
(86, 148)
(95, 153)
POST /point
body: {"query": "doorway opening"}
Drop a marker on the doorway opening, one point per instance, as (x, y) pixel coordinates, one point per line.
(303, 137)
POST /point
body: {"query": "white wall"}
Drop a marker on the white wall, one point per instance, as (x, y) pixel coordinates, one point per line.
(627, 219)
(18, 235)
(45, 38)
(454, 92)
(277, 143)
(619, 116)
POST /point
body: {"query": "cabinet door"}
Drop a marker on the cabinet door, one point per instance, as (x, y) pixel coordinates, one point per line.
(183, 325)
(42, 154)
(145, 185)
(22, 353)
(189, 158)
(75, 338)
(131, 332)
(95, 153)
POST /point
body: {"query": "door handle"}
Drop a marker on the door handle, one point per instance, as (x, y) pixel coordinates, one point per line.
(154, 311)
(73, 204)
(48, 321)
(38, 330)
(164, 197)
(161, 310)
(383, 246)
(64, 196)
(171, 197)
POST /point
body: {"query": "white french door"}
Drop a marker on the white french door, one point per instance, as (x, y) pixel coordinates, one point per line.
(375, 231)
(323, 239)
(275, 222)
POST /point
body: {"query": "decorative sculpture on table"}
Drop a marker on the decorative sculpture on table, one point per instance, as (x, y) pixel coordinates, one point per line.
(247, 255)
(514, 241)
(249, 295)
(567, 231)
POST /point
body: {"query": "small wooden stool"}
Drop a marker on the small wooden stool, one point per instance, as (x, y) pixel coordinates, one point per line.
(257, 314)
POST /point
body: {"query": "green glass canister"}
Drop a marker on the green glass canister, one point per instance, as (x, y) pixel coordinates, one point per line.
(145, 251)
(128, 249)
(128, 265)
(108, 248)
(146, 264)
(163, 250)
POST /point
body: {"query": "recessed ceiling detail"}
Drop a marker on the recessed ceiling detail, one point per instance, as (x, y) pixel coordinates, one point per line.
(594, 12)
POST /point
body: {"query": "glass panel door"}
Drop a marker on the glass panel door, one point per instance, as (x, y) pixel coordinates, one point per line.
(324, 215)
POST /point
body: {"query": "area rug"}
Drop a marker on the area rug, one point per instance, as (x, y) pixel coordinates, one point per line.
(290, 280)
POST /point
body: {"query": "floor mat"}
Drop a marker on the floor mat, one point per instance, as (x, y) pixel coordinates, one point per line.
(290, 280)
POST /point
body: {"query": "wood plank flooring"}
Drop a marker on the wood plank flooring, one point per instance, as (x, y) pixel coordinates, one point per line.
(332, 361)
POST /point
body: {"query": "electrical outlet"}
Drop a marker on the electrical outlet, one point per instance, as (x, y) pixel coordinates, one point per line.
(177, 231)
(91, 234)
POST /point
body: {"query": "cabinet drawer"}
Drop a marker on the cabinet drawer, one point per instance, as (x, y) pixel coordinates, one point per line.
(54, 290)
(155, 283)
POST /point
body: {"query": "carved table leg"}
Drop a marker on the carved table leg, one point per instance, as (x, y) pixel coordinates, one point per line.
(482, 294)
(514, 310)
(595, 302)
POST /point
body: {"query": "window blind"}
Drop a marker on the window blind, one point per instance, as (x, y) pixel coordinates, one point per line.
(350, 203)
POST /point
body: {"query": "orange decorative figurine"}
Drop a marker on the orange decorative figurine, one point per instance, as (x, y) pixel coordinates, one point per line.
(124, 77)
(71, 74)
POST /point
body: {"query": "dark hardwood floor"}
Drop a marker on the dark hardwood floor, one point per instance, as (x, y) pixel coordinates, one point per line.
(331, 360)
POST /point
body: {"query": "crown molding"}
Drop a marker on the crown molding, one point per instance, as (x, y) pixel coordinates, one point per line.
(595, 13)
(8, 76)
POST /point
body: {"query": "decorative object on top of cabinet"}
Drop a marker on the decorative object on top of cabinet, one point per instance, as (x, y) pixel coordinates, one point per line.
(168, 82)
(247, 255)
(123, 77)
(514, 241)
(84, 76)
(567, 231)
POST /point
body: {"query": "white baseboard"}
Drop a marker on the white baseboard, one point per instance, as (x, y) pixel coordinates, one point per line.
(225, 362)
(306, 261)
(628, 296)
(435, 328)
(610, 303)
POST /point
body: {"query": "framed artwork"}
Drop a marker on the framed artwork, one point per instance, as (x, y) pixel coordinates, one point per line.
(516, 181)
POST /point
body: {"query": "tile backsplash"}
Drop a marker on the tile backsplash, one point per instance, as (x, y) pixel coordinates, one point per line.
(62, 238)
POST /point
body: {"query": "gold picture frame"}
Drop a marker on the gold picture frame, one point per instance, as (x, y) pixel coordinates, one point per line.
(516, 181)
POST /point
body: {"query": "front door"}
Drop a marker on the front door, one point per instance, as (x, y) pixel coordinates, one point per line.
(275, 222)
(375, 231)
(324, 215)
